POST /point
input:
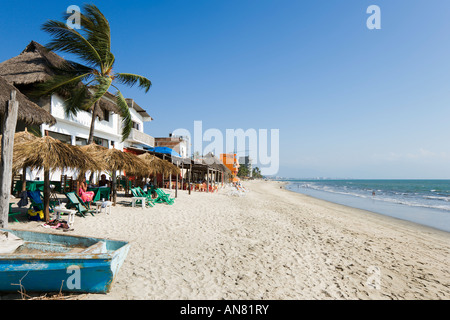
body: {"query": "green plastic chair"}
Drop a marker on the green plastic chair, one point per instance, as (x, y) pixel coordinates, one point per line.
(164, 197)
(78, 204)
(13, 214)
(136, 193)
(150, 200)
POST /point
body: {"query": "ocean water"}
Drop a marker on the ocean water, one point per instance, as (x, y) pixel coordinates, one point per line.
(426, 202)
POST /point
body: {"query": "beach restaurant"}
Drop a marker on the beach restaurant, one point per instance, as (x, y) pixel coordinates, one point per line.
(205, 174)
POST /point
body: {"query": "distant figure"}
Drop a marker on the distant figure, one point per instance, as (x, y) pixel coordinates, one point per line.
(373, 193)
(103, 182)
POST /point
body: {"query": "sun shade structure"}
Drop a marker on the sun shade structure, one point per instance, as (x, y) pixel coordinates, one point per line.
(28, 112)
(50, 154)
(36, 64)
(157, 165)
(115, 160)
(22, 136)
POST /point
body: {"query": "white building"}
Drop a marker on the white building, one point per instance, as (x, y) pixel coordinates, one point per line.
(35, 65)
(107, 130)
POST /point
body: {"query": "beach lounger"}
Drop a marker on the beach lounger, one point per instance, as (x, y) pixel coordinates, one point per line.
(147, 195)
(136, 194)
(36, 200)
(163, 197)
(78, 204)
(13, 214)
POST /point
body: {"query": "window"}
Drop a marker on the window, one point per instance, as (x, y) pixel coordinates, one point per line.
(80, 141)
(101, 142)
(60, 136)
(136, 125)
(105, 115)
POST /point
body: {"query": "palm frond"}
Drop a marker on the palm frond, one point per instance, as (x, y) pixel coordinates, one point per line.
(76, 100)
(59, 84)
(71, 41)
(102, 87)
(127, 124)
(131, 79)
(96, 30)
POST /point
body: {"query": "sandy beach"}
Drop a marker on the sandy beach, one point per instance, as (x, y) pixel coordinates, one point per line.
(269, 244)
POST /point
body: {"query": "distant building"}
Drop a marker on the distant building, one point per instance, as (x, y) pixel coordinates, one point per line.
(231, 162)
(178, 144)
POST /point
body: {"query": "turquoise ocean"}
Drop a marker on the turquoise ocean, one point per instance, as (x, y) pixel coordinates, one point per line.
(425, 202)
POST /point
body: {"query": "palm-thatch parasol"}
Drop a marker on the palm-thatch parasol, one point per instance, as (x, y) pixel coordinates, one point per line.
(20, 137)
(158, 165)
(28, 112)
(50, 154)
(115, 160)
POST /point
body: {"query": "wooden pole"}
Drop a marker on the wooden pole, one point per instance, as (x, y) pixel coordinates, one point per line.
(114, 187)
(189, 177)
(47, 194)
(9, 128)
(207, 179)
(176, 186)
(182, 180)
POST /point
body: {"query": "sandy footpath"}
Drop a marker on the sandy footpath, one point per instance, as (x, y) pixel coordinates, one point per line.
(269, 244)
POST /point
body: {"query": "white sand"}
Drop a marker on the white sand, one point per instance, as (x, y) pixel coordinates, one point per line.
(270, 244)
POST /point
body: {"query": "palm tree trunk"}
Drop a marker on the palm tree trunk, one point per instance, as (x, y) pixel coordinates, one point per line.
(95, 111)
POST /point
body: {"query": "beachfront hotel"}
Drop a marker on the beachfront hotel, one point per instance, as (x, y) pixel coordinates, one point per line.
(35, 64)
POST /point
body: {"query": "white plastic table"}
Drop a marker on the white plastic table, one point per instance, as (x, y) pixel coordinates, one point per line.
(133, 201)
(71, 213)
(99, 206)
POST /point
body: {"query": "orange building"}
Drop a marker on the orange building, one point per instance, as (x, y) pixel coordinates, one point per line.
(231, 162)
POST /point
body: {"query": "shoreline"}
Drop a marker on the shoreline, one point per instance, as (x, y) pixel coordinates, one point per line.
(378, 214)
(267, 245)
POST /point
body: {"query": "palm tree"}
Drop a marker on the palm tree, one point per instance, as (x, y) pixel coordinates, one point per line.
(84, 86)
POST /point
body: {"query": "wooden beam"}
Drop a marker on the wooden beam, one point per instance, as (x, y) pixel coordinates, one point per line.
(207, 180)
(9, 128)
(189, 177)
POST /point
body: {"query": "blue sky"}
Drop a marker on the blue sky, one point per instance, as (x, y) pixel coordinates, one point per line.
(348, 101)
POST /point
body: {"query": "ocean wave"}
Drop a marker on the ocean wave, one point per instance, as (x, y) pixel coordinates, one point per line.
(447, 199)
(412, 199)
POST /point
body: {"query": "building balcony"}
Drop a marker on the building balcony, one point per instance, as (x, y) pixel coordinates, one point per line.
(139, 138)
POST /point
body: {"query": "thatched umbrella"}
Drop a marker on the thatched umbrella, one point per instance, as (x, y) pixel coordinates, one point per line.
(158, 165)
(28, 112)
(115, 160)
(21, 137)
(50, 154)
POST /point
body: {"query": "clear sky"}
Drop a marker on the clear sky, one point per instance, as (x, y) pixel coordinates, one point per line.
(348, 101)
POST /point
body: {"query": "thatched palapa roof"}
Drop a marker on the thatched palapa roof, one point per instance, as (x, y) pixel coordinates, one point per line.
(51, 154)
(28, 112)
(116, 160)
(36, 64)
(158, 165)
(212, 161)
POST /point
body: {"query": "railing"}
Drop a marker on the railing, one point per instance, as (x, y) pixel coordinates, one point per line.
(140, 137)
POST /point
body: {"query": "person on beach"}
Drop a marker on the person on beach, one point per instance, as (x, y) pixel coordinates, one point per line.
(103, 182)
(85, 195)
